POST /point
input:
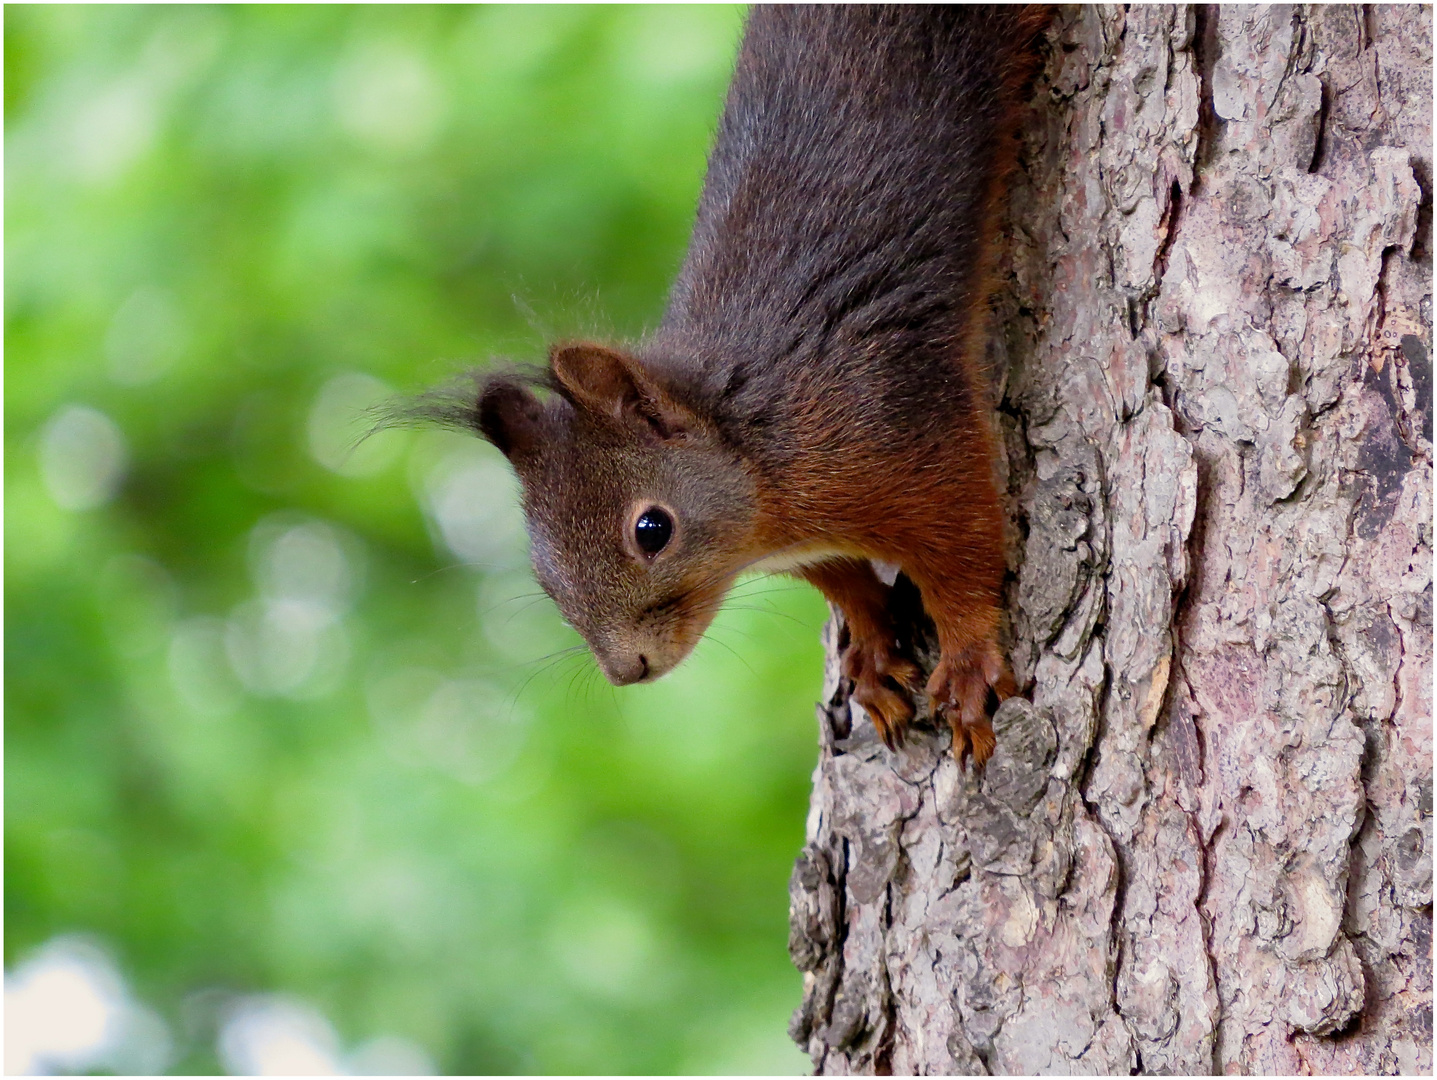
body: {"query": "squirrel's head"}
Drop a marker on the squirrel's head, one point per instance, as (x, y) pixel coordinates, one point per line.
(638, 513)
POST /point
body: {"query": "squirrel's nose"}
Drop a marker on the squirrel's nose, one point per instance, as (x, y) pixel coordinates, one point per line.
(622, 671)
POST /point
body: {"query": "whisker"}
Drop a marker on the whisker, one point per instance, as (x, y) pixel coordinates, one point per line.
(568, 650)
(507, 600)
(517, 611)
(555, 659)
(741, 660)
(771, 586)
(462, 564)
(437, 571)
(772, 611)
(570, 694)
(728, 576)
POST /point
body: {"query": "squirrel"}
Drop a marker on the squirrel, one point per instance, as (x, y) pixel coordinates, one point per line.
(814, 397)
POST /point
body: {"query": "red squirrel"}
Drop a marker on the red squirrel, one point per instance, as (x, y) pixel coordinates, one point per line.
(813, 398)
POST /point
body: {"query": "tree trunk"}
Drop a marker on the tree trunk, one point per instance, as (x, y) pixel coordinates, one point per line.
(1203, 843)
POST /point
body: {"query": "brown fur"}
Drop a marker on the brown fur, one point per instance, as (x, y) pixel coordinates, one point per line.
(815, 392)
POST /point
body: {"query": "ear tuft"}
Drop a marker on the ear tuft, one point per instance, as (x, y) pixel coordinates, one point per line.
(508, 415)
(615, 384)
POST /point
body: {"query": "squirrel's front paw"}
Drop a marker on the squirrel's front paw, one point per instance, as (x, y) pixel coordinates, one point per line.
(959, 689)
(883, 683)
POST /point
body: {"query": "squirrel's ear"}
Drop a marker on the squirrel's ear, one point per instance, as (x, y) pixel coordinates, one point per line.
(508, 416)
(615, 384)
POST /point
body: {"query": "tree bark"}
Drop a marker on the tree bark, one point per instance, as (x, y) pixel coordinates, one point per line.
(1204, 841)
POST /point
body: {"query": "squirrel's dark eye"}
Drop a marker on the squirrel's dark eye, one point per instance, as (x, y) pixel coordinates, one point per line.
(652, 530)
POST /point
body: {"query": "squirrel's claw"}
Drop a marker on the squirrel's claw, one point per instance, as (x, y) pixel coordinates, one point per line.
(883, 683)
(889, 710)
(959, 689)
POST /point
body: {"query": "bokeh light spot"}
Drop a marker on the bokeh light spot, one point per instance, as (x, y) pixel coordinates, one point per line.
(388, 97)
(146, 336)
(82, 457)
(340, 423)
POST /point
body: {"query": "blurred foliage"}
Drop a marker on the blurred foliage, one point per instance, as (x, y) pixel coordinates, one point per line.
(283, 717)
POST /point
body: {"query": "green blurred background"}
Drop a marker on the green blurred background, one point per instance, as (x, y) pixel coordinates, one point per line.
(284, 719)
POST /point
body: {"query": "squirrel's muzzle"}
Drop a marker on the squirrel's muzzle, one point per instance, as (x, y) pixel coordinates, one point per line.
(623, 670)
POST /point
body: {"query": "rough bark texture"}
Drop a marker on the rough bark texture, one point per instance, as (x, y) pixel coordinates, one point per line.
(1204, 841)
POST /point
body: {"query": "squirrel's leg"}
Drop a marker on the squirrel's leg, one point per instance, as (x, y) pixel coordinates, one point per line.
(883, 680)
(971, 664)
